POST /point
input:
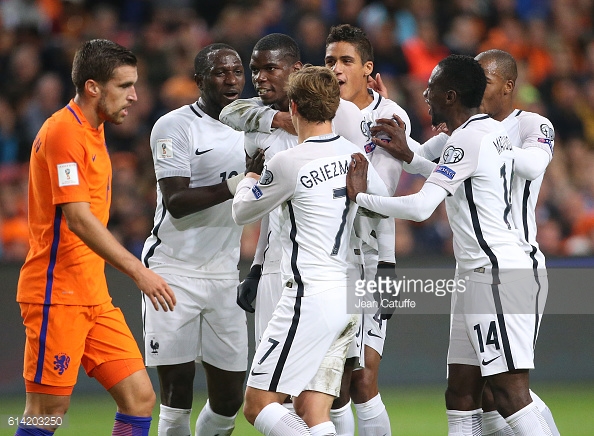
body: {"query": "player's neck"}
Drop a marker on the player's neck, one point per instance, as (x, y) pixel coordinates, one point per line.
(89, 110)
(503, 114)
(363, 98)
(306, 129)
(460, 117)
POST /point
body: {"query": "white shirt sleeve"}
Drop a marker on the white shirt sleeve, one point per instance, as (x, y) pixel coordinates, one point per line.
(531, 162)
(262, 242)
(419, 165)
(415, 207)
(253, 199)
(171, 144)
(347, 123)
(248, 115)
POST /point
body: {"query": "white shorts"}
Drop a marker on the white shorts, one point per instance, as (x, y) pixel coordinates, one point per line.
(487, 329)
(270, 288)
(206, 325)
(304, 333)
(372, 330)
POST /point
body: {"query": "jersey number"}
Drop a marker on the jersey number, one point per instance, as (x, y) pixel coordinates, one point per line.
(507, 192)
(492, 338)
(224, 177)
(340, 193)
(272, 347)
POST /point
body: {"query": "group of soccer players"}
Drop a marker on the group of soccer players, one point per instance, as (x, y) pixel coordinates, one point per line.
(305, 158)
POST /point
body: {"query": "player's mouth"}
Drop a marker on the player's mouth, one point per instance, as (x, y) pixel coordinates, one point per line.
(232, 95)
(263, 91)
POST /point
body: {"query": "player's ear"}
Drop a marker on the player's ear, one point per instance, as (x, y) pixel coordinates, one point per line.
(509, 87)
(297, 66)
(92, 88)
(368, 68)
(450, 97)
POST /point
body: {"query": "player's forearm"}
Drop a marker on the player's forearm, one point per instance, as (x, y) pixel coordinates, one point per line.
(530, 163)
(248, 203)
(419, 165)
(415, 207)
(247, 115)
(192, 200)
(90, 230)
(262, 241)
(385, 240)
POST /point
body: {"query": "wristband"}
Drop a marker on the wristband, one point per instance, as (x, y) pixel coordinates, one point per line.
(232, 182)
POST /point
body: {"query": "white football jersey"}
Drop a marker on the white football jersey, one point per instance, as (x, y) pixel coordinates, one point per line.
(309, 183)
(476, 169)
(527, 129)
(187, 142)
(380, 234)
(252, 115)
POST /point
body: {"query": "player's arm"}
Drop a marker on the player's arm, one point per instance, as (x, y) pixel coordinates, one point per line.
(182, 200)
(90, 230)
(416, 207)
(248, 115)
(347, 123)
(530, 163)
(256, 196)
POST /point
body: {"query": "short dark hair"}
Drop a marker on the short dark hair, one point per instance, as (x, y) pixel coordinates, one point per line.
(505, 63)
(280, 41)
(464, 75)
(316, 92)
(201, 62)
(352, 35)
(96, 60)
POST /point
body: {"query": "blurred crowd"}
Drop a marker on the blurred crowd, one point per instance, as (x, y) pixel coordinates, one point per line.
(553, 41)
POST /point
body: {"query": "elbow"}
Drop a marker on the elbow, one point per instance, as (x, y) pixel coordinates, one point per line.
(175, 209)
(422, 215)
(240, 218)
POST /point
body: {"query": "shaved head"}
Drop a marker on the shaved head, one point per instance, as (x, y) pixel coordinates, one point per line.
(499, 62)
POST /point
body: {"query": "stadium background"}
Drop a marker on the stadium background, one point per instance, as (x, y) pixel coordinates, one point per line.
(552, 40)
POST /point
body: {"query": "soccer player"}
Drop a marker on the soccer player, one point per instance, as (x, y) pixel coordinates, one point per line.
(303, 349)
(474, 177)
(194, 245)
(62, 291)
(533, 137)
(350, 55)
(268, 126)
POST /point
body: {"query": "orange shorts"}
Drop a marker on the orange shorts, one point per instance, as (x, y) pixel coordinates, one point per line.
(60, 338)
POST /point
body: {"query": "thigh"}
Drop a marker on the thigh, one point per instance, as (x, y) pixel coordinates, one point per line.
(269, 292)
(110, 340)
(296, 340)
(224, 343)
(503, 330)
(173, 337)
(55, 342)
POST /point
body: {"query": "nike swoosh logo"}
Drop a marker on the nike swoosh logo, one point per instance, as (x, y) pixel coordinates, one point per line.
(370, 333)
(198, 152)
(489, 361)
(258, 373)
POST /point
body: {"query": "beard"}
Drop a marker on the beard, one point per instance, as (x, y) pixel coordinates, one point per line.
(114, 117)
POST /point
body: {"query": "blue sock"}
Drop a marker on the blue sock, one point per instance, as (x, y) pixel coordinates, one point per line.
(127, 425)
(32, 431)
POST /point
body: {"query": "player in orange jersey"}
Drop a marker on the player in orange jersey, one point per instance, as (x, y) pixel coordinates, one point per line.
(62, 291)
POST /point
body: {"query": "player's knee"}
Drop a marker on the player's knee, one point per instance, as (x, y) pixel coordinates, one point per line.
(363, 386)
(250, 411)
(457, 399)
(226, 406)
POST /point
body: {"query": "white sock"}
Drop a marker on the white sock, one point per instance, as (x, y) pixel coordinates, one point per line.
(289, 406)
(495, 425)
(528, 421)
(464, 422)
(174, 422)
(372, 418)
(343, 420)
(276, 420)
(211, 424)
(323, 429)
(546, 413)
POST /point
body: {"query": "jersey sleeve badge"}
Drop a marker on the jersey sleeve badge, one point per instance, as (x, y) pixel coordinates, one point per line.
(68, 174)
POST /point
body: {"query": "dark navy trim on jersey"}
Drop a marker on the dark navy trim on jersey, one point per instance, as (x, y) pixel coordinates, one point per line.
(49, 285)
(502, 328)
(519, 112)
(322, 140)
(378, 102)
(476, 225)
(74, 113)
(155, 233)
(195, 111)
(282, 359)
(338, 237)
(475, 119)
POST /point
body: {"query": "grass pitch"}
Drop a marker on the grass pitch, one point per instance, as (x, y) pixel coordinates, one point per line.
(413, 411)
